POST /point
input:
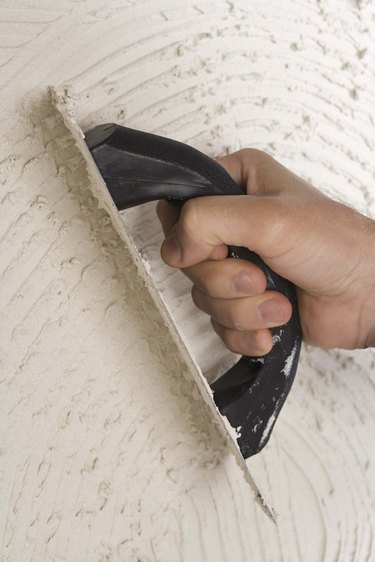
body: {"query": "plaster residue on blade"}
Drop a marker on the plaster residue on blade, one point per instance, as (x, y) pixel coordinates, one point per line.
(65, 106)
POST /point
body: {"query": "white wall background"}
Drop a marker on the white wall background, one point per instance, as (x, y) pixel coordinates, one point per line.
(106, 451)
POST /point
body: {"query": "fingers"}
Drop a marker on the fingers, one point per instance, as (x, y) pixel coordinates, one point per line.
(227, 279)
(234, 164)
(267, 225)
(250, 168)
(233, 291)
(267, 310)
(243, 323)
(270, 223)
(256, 171)
(253, 343)
(183, 227)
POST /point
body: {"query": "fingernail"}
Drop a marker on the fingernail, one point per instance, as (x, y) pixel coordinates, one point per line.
(270, 311)
(243, 283)
(172, 249)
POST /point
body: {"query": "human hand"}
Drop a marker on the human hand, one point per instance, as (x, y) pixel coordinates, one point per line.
(324, 247)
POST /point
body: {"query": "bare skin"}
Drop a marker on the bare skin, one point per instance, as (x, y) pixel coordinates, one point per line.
(325, 248)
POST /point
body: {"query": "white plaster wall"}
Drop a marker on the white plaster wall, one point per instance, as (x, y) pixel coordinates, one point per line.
(106, 449)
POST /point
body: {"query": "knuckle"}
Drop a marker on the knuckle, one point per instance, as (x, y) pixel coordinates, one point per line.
(256, 157)
(256, 165)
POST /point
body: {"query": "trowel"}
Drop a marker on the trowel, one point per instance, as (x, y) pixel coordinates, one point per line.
(127, 168)
(138, 167)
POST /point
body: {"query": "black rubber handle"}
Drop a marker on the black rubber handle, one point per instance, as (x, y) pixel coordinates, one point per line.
(139, 167)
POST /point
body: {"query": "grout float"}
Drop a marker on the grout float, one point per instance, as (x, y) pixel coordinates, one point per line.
(64, 104)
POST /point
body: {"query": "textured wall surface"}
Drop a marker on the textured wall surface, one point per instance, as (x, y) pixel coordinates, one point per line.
(106, 451)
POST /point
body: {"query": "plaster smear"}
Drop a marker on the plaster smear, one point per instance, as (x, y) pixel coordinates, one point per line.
(106, 449)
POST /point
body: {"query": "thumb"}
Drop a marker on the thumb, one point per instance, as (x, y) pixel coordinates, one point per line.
(208, 224)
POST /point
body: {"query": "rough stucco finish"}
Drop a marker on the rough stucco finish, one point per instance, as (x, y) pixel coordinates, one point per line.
(103, 452)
